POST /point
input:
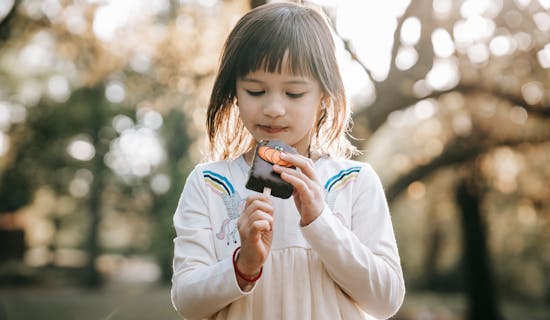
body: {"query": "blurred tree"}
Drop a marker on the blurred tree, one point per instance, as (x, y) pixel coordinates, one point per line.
(164, 205)
(85, 99)
(476, 69)
(481, 291)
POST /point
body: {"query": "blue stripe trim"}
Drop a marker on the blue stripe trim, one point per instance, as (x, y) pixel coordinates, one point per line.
(221, 180)
(342, 174)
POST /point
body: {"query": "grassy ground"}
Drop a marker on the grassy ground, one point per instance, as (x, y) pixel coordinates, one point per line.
(135, 302)
(121, 303)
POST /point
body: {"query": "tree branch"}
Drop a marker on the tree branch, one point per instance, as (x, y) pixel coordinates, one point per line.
(460, 150)
(376, 117)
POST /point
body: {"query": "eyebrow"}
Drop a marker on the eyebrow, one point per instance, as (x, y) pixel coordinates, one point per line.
(297, 81)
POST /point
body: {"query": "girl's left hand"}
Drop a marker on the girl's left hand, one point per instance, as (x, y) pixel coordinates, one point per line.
(308, 193)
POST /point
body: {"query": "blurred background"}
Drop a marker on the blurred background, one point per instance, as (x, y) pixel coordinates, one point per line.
(102, 108)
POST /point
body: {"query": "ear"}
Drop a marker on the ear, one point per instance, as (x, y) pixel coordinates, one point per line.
(325, 101)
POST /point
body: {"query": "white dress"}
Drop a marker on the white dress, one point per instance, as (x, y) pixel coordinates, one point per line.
(343, 265)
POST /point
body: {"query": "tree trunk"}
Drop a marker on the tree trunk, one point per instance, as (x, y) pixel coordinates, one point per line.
(96, 103)
(480, 288)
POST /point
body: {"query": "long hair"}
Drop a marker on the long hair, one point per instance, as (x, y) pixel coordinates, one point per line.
(261, 39)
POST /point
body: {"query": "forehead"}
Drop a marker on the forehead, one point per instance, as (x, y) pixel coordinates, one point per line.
(287, 62)
(283, 74)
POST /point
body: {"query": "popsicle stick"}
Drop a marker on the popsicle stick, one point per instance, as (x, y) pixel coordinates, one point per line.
(267, 191)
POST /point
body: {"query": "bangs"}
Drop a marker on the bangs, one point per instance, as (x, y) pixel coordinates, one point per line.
(265, 48)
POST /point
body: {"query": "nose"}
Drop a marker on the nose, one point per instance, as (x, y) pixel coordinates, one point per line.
(274, 107)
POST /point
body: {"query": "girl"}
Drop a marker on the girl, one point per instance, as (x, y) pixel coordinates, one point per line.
(329, 252)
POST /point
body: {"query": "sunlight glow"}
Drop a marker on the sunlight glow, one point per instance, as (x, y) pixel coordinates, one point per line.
(442, 43)
(79, 187)
(425, 109)
(507, 166)
(116, 15)
(470, 8)
(478, 53)
(421, 88)
(442, 8)
(5, 7)
(462, 124)
(160, 184)
(545, 4)
(149, 118)
(542, 20)
(74, 20)
(410, 31)
(406, 58)
(81, 149)
(380, 20)
(11, 113)
(522, 4)
(472, 30)
(58, 88)
(443, 75)
(136, 152)
(532, 92)
(115, 92)
(122, 122)
(501, 45)
(544, 56)
(37, 56)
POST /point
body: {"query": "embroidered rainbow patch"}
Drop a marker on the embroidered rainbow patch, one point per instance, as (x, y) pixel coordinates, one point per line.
(218, 183)
(341, 179)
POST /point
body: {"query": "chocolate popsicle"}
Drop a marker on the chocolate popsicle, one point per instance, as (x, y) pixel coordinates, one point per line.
(262, 178)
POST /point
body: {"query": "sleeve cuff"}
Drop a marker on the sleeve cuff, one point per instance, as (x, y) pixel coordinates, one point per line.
(318, 229)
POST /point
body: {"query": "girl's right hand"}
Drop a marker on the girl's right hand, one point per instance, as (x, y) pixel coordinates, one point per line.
(256, 231)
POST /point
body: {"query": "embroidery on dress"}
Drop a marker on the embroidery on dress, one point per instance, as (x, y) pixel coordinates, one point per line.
(232, 201)
(337, 184)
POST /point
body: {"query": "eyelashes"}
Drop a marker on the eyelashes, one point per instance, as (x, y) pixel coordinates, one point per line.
(289, 94)
(255, 93)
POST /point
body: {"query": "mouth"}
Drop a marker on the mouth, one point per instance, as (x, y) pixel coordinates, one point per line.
(272, 129)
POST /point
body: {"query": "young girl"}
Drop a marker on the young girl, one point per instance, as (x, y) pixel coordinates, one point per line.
(329, 252)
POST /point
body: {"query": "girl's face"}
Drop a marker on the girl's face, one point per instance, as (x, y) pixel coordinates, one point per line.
(279, 106)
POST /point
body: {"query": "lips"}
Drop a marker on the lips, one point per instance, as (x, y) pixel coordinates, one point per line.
(272, 129)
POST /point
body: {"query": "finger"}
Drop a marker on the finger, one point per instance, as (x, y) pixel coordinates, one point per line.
(258, 204)
(260, 215)
(256, 196)
(295, 173)
(261, 226)
(251, 215)
(299, 185)
(306, 165)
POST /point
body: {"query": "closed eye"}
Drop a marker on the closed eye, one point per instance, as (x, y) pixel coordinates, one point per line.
(255, 93)
(295, 95)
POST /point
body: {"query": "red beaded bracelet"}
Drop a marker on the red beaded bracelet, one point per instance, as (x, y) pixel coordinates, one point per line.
(242, 275)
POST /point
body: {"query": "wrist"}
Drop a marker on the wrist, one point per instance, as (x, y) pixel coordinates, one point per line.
(243, 270)
(307, 219)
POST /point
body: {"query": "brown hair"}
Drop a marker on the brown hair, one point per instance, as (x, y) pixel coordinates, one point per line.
(261, 39)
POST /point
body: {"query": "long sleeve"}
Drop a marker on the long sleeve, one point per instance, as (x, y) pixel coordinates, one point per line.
(201, 285)
(363, 260)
